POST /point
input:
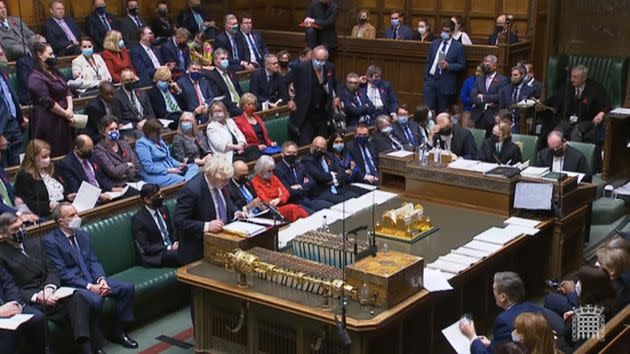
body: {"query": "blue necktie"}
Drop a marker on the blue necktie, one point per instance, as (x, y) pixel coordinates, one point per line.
(409, 135)
(79, 258)
(438, 72)
(234, 51)
(253, 45)
(325, 166)
(163, 228)
(182, 62)
(138, 22)
(248, 197)
(369, 161)
(105, 23)
(221, 212)
(7, 98)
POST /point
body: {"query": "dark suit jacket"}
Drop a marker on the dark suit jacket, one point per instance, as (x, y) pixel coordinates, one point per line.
(71, 172)
(148, 236)
(163, 30)
(32, 273)
(237, 196)
(509, 152)
(7, 184)
(316, 171)
(415, 128)
(462, 143)
(503, 327)
(95, 110)
(491, 96)
(57, 37)
(536, 86)
(9, 291)
(325, 17)
(574, 161)
(223, 41)
(357, 106)
(259, 42)
(97, 30)
(264, 90)
(492, 40)
(187, 19)
(355, 152)
(189, 96)
(34, 193)
(220, 88)
(24, 67)
(456, 59)
(9, 125)
(288, 179)
(143, 64)
(388, 96)
(404, 32)
(159, 104)
(505, 99)
(382, 142)
(170, 53)
(129, 30)
(195, 208)
(62, 257)
(126, 113)
(301, 77)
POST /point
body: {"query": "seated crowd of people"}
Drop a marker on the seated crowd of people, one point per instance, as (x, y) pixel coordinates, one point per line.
(151, 76)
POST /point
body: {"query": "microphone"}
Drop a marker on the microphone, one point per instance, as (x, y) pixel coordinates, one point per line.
(275, 211)
(342, 332)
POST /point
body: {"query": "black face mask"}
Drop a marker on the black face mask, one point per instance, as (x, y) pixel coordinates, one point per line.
(19, 236)
(241, 180)
(559, 152)
(446, 131)
(290, 159)
(162, 13)
(318, 154)
(283, 64)
(182, 45)
(157, 202)
(85, 154)
(498, 29)
(363, 20)
(494, 138)
(486, 69)
(51, 62)
(134, 11)
(129, 85)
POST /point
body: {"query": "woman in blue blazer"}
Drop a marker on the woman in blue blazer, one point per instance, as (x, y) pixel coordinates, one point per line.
(158, 166)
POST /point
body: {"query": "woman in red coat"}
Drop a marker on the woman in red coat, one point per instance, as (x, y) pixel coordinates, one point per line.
(270, 189)
(251, 125)
(116, 56)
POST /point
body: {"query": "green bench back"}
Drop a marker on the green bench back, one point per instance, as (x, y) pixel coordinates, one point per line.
(478, 135)
(528, 145)
(588, 150)
(14, 81)
(277, 128)
(113, 243)
(245, 85)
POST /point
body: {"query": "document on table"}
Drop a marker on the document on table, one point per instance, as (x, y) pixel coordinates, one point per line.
(365, 186)
(469, 252)
(447, 266)
(515, 220)
(434, 280)
(136, 185)
(87, 196)
(483, 246)
(497, 235)
(457, 340)
(463, 164)
(381, 197)
(533, 196)
(535, 171)
(530, 231)
(580, 176)
(114, 195)
(263, 221)
(400, 153)
(64, 291)
(351, 206)
(458, 258)
(244, 229)
(483, 167)
(13, 322)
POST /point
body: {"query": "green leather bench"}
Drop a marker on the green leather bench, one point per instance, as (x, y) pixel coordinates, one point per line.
(527, 144)
(478, 135)
(245, 85)
(277, 128)
(612, 72)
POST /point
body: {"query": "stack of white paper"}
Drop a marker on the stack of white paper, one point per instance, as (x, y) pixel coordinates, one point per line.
(381, 197)
(535, 171)
(435, 280)
(244, 228)
(497, 235)
(483, 246)
(624, 189)
(580, 176)
(530, 231)
(469, 252)
(114, 195)
(86, 198)
(13, 322)
(400, 153)
(365, 186)
(515, 220)
(483, 167)
(458, 258)
(445, 266)
(463, 164)
(136, 185)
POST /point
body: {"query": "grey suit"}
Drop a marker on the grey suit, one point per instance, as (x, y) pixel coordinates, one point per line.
(15, 39)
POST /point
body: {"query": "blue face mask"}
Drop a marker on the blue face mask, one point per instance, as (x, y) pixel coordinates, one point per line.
(338, 147)
(87, 52)
(395, 22)
(187, 127)
(267, 175)
(114, 135)
(121, 44)
(403, 120)
(445, 36)
(195, 76)
(362, 140)
(387, 130)
(317, 64)
(162, 85)
(101, 10)
(224, 64)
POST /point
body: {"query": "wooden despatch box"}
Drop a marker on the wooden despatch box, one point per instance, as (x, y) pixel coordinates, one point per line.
(223, 242)
(392, 276)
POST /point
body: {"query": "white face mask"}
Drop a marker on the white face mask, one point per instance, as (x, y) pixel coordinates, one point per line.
(516, 338)
(75, 223)
(422, 29)
(578, 288)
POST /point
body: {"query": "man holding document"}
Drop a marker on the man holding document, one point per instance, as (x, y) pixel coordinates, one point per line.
(39, 285)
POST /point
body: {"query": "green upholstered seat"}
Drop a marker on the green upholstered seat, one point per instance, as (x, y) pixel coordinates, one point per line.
(607, 210)
(478, 135)
(588, 150)
(277, 128)
(245, 85)
(611, 72)
(14, 81)
(527, 144)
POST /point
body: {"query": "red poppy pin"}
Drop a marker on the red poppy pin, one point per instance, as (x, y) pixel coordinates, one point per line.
(124, 153)
(585, 100)
(164, 216)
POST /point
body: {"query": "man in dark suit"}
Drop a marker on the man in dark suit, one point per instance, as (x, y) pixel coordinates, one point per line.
(196, 92)
(78, 166)
(146, 58)
(204, 206)
(32, 332)
(151, 227)
(511, 94)
(162, 24)
(320, 23)
(485, 94)
(99, 22)
(62, 32)
(502, 28)
(70, 251)
(131, 23)
(384, 138)
(356, 105)
(265, 83)
(135, 106)
(194, 18)
(457, 140)
(364, 154)
(329, 179)
(176, 50)
(14, 34)
(37, 279)
(509, 294)
(398, 30)
(230, 42)
(241, 191)
(254, 48)
(296, 179)
(531, 81)
(105, 104)
(315, 96)
(10, 123)
(560, 156)
(9, 202)
(446, 59)
(408, 131)
(224, 82)
(379, 92)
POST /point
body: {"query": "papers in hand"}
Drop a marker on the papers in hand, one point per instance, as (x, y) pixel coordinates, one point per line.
(86, 198)
(166, 122)
(457, 340)
(533, 196)
(127, 126)
(64, 291)
(136, 185)
(13, 322)
(114, 195)
(621, 110)
(263, 221)
(400, 153)
(244, 229)
(79, 121)
(434, 280)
